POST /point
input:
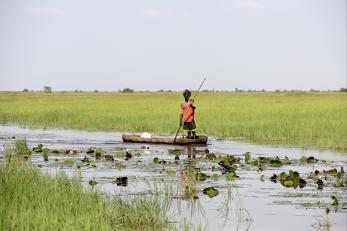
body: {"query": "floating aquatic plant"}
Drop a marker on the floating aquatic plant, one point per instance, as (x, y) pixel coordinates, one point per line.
(307, 160)
(121, 181)
(210, 192)
(210, 156)
(69, 162)
(171, 172)
(109, 158)
(200, 176)
(99, 152)
(119, 165)
(38, 148)
(290, 179)
(269, 161)
(156, 160)
(92, 182)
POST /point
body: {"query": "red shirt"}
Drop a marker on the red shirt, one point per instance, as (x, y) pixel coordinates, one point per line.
(187, 111)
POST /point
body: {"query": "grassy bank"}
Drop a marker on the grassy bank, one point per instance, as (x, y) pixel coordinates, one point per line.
(305, 119)
(30, 200)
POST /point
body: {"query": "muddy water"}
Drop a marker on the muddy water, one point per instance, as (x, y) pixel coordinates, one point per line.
(246, 203)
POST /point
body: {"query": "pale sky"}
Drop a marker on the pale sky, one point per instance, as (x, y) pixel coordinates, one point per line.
(172, 44)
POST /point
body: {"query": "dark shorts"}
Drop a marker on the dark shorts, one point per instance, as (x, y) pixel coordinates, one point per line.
(189, 125)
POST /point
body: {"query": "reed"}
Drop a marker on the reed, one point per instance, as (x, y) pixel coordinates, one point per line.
(31, 200)
(304, 119)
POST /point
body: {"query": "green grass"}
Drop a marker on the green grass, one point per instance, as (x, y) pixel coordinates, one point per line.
(30, 200)
(21, 147)
(304, 119)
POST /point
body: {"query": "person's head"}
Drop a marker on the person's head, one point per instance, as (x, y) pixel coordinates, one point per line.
(187, 94)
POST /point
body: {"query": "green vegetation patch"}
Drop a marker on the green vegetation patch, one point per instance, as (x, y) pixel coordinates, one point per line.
(290, 179)
(211, 192)
(309, 119)
(41, 202)
(21, 147)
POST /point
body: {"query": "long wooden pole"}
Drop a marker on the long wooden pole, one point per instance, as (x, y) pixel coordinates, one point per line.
(196, 94)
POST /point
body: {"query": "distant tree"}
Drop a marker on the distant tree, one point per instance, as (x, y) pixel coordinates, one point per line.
(47, 89)
(127, 90)
(96, 91)
(25, 90)
(343, 89)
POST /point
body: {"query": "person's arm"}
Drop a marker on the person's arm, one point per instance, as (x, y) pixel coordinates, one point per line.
(192, 104)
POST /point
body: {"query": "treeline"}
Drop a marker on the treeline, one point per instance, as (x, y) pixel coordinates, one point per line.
(48, 89)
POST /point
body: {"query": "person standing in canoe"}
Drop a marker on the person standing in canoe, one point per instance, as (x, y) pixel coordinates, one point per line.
(187, 115)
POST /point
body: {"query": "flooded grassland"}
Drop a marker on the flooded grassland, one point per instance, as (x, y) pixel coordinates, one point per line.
(224, 185)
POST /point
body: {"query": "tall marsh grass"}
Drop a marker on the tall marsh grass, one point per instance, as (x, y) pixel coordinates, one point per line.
(305, 119)
(31, 200)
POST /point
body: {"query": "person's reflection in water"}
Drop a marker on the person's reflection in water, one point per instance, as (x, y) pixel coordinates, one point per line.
(189, 189)
(191, 151)
(188, 182)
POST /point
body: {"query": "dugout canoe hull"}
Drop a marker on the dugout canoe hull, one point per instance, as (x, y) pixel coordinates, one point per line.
(156, 140)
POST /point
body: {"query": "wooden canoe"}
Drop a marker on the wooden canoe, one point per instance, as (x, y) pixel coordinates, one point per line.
(156, 140)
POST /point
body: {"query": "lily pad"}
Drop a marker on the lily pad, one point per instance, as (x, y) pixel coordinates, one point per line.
(335, 201)
(214, 177)
(210, 156)
(99, 152)
(211, 192)
(121, 181)
(90, 151)
(128, 156)
(109, 158)
(69, 162)
(156, 160)
(290, 179)
(230, 176)
(307, 160)
(71, 152)
(262, 178)
(330, 172)
(171, 172)
(119, 165)
(275, 162)
(92, 182)
(199, 176)
(38, 148)
(228, 163)
(120, 149)
(311, 159)
(320, 184)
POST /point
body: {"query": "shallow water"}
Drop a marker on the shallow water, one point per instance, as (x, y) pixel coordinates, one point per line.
(243, 204)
